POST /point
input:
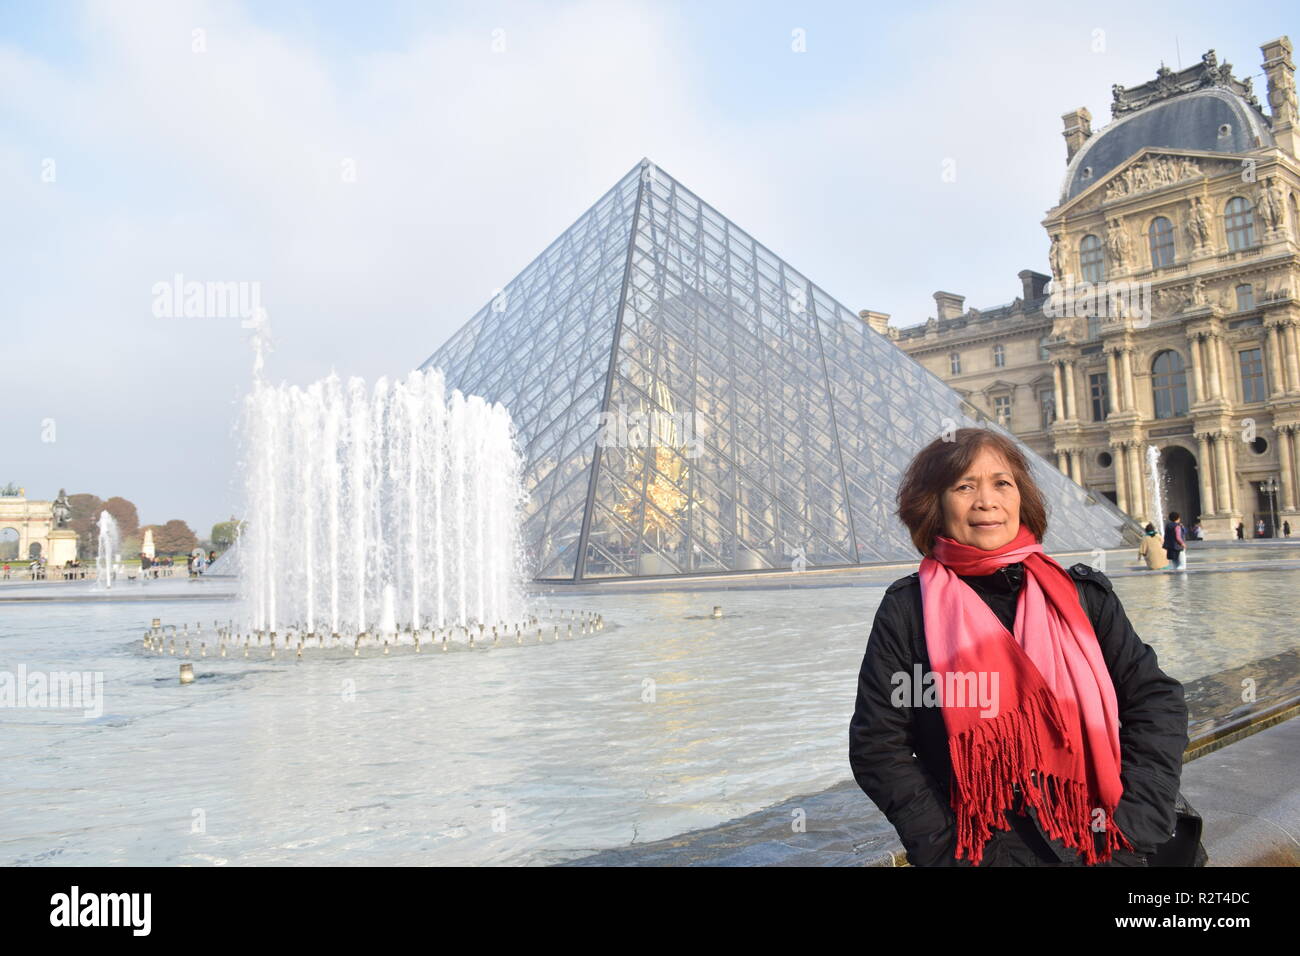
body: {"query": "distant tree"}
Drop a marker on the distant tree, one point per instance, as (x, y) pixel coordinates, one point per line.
(129, 549)
(10, 490)
(85, 512)
(175, 537)
(224, 533)
(124, 513)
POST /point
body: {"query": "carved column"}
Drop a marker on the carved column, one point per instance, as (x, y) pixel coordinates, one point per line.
(1061, 465)
(1195, 380)
(1286, 439)
(1131, 377)
(1201, 372)
(1118, 462)
(1058, 392)
(1112, 373)
(1216, 382)
(1126, 377)
(1234, 493)
(1069, 391)
(1277, 378)
(1076, 466)
(1221, 486)
(1137, 487)
(1293, 372)
(1295, 459)
(1204, 469)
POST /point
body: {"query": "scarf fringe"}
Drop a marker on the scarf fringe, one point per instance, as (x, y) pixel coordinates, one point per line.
(992, 754)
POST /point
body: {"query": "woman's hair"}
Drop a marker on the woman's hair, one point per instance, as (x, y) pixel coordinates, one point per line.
(1150, 527)
(937, 467)
(1173, 516)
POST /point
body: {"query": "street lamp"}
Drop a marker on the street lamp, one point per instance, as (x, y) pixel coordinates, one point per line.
(1269, 488)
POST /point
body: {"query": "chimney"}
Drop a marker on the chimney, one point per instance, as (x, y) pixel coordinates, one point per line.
(1078, 127)
(1281, 92)
(879, 321)
(949, 305)
(1031, 285)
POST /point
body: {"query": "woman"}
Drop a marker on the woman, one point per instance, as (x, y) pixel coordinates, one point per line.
(1151, 550)
(1067, 746)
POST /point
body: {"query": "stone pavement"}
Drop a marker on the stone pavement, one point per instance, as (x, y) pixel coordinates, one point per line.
(1247, 792)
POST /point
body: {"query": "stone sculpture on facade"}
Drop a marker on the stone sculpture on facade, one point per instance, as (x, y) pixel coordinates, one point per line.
(1271, 205)
(1056, 258)
(1117, 244)
(1152, 174)
(1198, 224)
(1208, 73)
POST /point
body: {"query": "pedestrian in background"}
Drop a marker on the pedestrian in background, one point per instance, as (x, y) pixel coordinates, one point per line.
(1151, 550)
(1175, 544)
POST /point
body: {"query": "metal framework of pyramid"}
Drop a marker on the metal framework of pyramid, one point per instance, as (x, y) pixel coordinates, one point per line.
(687, 403)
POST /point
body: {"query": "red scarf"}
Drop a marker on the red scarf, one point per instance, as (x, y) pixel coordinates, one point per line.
(1053, 726)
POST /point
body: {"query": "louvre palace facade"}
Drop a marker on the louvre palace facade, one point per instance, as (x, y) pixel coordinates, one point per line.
(1169, 320)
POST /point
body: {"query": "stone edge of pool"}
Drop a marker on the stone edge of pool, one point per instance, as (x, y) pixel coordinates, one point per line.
(762, 838)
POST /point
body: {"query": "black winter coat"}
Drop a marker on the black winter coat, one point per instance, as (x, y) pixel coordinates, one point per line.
(899, 755)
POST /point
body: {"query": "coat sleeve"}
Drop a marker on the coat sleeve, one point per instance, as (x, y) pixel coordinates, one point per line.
(1153, 725)
(881, 748)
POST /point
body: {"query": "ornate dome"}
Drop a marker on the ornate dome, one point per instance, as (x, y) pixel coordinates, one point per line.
(1202, 108)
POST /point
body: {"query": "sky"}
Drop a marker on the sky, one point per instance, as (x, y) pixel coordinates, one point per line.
(377, 170)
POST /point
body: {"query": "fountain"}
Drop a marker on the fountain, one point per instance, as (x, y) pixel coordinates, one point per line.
(1155, 486)
(374, 513)
(106, 556)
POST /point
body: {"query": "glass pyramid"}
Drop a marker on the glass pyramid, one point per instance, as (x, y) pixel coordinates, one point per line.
(687, 403)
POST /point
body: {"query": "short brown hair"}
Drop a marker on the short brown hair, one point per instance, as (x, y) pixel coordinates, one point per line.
(939, 464)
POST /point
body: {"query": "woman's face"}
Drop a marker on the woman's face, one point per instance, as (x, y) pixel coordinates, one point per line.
(982, 508)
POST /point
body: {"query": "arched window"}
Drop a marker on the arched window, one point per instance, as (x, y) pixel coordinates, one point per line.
(1239, 223)
(1091, 264)
(954, 363)
(1245, 297)
(1160, 234)
(1044, 353)
(999, 356)
(1169, 384)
